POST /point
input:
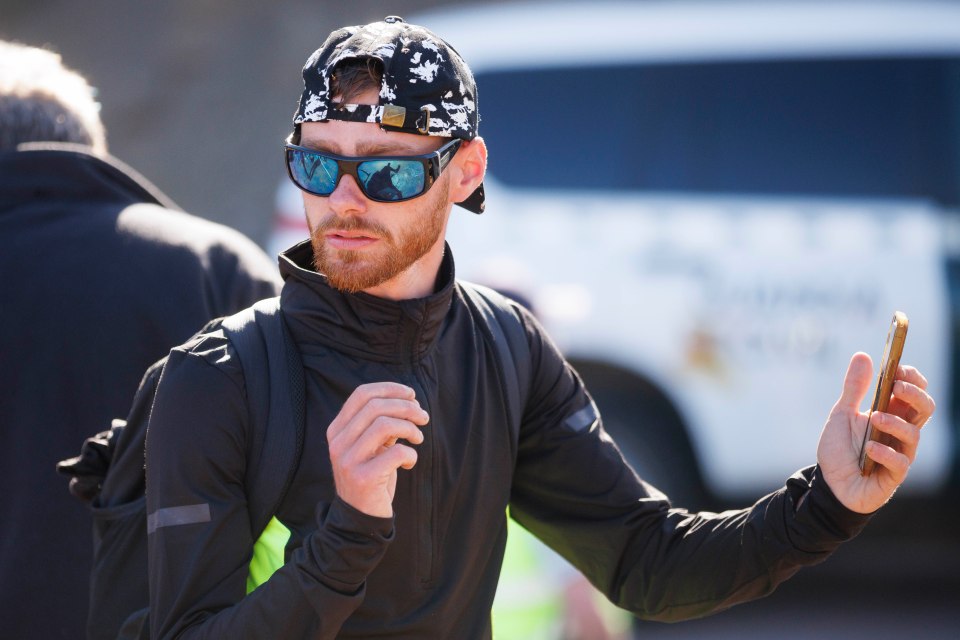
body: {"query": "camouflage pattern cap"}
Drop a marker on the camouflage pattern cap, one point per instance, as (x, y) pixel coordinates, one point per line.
(427, 88)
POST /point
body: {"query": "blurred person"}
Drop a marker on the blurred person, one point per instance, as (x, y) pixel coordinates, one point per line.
(101, 275)
(397, 515)
(540, 596)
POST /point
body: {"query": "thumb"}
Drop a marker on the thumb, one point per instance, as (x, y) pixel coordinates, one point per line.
(856, 382)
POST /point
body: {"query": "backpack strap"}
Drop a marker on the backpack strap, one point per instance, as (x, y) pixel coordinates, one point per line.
(273, 374)
(502, 327)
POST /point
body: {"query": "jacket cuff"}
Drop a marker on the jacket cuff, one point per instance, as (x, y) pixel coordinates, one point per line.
(348, 545)
(820, 522)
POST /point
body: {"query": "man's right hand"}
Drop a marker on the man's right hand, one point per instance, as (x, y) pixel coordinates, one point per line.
(364, 444)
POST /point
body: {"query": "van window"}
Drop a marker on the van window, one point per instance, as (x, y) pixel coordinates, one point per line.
(870, 127)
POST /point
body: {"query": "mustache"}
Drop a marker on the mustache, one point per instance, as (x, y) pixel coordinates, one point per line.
(353, 223)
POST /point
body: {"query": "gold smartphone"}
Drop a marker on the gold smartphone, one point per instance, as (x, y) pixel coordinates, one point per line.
(885, 378)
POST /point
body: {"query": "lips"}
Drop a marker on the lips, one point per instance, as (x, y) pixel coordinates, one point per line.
(348, 239)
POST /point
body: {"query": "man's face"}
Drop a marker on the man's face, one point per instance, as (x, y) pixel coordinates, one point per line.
(391, 250)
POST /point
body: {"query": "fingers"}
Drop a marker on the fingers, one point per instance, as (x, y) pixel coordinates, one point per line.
(905, 435)
(910, 399)
(909, 410)
(376, 415)
(915, 397)
(399, 456)
(357, 476)
(911, 375)
(381, 434)
(365, 444)
(381, 417)
(361, 396)
(895, 462)
(856, 382)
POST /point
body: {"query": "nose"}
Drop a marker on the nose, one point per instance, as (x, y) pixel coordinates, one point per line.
(347, 197)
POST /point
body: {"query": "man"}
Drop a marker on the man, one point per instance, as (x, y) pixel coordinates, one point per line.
(100, 278)
(396, 513)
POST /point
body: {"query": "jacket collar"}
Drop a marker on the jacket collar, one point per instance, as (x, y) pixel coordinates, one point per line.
(53, 171)
(394, 331)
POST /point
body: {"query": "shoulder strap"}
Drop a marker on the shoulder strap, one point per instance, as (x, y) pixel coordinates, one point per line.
(504, 329)
(273, 374)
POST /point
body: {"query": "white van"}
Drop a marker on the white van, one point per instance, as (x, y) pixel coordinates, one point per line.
(712, 205)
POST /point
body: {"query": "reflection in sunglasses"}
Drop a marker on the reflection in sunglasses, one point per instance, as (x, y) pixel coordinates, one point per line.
(383, 179)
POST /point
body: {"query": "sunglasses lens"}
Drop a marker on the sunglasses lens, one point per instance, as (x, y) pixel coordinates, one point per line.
(312, 172)
(392, 179)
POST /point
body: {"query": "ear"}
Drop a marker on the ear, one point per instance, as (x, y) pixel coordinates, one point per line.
(471, 164)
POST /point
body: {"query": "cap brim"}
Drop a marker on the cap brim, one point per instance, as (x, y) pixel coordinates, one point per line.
(476, 202)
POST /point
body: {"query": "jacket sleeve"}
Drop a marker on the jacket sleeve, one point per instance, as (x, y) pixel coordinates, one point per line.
(199, 533)
(574, 491)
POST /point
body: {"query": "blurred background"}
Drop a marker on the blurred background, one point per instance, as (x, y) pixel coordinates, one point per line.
(711, 205)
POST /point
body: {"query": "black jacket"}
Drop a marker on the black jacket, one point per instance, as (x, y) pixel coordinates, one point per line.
(431, 571)
(97, 280)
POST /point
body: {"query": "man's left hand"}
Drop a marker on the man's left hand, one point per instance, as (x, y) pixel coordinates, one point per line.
(839, 450)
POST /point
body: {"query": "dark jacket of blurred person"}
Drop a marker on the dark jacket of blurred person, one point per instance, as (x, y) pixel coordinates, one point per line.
(100, 277)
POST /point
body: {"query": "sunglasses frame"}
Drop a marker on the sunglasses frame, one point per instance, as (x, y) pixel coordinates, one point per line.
(433, 163)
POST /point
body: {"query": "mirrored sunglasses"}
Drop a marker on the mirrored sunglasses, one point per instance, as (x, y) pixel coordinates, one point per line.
(381, 178)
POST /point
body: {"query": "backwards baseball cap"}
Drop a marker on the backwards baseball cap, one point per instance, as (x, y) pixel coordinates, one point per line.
(427, 88)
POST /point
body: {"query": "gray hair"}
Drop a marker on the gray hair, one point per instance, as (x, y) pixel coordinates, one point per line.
(41, 100)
